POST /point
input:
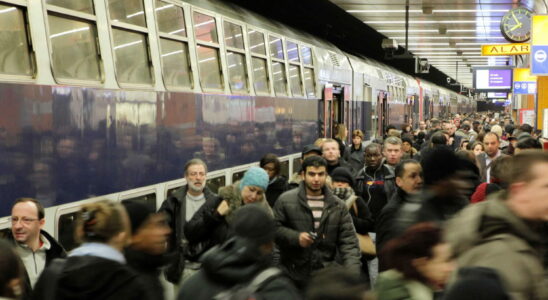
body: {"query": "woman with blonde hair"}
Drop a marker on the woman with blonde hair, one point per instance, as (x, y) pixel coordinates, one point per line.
(97, 269)
(340, 137)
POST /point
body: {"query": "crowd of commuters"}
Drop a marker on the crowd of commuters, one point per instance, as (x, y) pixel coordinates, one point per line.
(454, 209)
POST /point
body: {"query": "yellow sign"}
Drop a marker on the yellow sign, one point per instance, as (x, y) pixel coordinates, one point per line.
(505, 49)
(524, 74)
(539, 36)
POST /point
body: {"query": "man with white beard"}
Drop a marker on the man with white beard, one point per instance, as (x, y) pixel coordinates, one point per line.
(179, 208)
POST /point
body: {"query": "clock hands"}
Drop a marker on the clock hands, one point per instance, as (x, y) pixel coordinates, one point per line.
(517, 21)
(515, 27)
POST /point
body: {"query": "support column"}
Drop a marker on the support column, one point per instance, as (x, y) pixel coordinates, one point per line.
(542, 99)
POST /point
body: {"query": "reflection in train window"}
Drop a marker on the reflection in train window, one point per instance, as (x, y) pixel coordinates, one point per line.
(4, 233)
(295, 80)
(260, 75)
(131, 12)
(175, 65)
(209, 64)
(309, 82)
(297, 165)
(85, 6)
(278, 74)
(170, 18)
(148, 200)
(256, 42)
(67, 223)
(204, 27)
(284, 168)
(238, 175)
(215, 183)
(276, 48)
(132, 60)
(307, 55)
(292, 51)
(14, 52)
(237, 72)
(233, 36)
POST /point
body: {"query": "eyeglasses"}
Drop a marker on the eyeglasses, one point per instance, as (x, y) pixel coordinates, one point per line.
(26, 221)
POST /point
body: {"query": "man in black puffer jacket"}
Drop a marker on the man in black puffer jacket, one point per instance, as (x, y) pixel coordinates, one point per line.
(313, 225)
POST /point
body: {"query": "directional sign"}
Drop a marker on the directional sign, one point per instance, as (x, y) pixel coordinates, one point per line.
(524, 82)
(539, 45)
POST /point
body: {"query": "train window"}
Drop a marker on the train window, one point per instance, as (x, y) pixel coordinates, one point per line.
(132, 60)
(306, 54)
(295, 80)
(236, 71)
(67, 224)
(209, 64)
(276, 48)
(284, 168)
(309, 82)
(297, 163)
(292, 52)
(205, 29)
(278, 73)
(127, 11)
(238, 175)
(5, 233)
(256, 42)
(233, 36)
(172, 190)
(215, 183)
(148, 200)
(175, 66)
(170, 18)
(74, 49)
(14, 52)
(85, 6)
(260, 77)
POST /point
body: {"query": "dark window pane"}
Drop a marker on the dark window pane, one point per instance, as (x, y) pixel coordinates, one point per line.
(215, 183)
(67, 223)
(284, 170)
(148, 200)
(237, 176)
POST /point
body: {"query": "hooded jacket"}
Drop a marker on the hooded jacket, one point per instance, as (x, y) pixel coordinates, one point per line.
(235, 262)
(488, 234)
(210, 228)
(336, 234)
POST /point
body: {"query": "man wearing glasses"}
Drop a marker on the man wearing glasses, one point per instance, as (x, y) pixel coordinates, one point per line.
(35, 247)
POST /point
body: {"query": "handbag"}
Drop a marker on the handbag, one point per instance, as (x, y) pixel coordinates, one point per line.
(366, 243)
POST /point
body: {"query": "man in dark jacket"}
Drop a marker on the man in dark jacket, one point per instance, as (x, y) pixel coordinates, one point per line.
(313, 225)
(409, 182)
(375, 182)
(35, 247)
(241, 260)
(179, 208)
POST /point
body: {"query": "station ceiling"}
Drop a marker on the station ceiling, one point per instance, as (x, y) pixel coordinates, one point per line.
(444, 32)
(448, 33)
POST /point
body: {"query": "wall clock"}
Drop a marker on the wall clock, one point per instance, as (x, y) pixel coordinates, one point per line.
(515, 25)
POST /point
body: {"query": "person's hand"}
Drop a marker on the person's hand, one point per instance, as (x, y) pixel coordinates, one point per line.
(305, 240)
(223, 208)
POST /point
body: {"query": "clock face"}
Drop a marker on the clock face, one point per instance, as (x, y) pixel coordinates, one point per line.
(516, 25)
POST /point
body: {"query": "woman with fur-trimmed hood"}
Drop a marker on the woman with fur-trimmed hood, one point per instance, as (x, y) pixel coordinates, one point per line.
(210, 223)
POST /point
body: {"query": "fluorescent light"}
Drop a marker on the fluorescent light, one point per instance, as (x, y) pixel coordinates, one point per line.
(441, 49)
(365, 11)
(69, 32)
(433, 22)
(476, 43)
(449, 37)
(410, 30)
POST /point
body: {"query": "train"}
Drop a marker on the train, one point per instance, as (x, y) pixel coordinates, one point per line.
(109, 99)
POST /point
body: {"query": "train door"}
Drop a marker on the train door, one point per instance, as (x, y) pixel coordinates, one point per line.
(416, 110)
(382, 113)
(332, 110)
(408, 119)
(427, 107)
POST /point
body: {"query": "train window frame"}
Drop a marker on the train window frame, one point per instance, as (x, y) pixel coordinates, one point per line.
(139, 193)
(122, 26)
(5, 226)
(69, 15)
(216, 46)
(237, 52)
(259, 56)
(312, 94)
(176, 38)
(23, 7)
(275, 60)
(283, 71)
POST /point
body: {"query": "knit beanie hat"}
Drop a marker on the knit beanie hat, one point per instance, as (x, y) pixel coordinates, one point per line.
(137, 213)
(342, 174)
(255, 176)
(254, 223)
